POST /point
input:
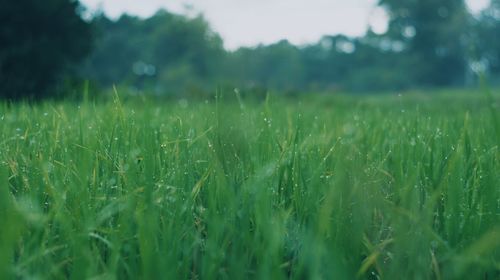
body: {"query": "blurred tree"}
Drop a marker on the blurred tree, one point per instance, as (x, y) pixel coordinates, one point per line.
(277, 66)
(428, 43)
(118, 46)
(39, 42)
(487, 47)
(168, 52)
(434, 35)
(329, 62)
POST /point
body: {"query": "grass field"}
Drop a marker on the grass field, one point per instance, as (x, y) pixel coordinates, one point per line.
(394, 187)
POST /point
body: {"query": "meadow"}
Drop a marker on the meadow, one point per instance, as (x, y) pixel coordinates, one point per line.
(317, 187)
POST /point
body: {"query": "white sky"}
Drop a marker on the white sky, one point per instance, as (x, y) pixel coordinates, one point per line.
(250, 22)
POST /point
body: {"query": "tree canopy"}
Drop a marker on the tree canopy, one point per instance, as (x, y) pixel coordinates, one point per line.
(167, 49)
(434, 35)
(428, 44)
(40, 41)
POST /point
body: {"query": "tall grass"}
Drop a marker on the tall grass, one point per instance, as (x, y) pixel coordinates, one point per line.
(401, 187)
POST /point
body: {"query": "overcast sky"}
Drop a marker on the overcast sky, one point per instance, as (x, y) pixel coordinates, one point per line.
(250, 22)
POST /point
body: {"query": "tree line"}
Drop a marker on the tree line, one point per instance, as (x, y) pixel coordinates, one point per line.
(47, 48)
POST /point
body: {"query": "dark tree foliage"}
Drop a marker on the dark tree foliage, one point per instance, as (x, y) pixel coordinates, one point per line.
(434, 33)
(39, 42)
(487, 41)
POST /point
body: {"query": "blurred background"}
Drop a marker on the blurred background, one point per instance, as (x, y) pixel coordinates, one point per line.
(192, 48)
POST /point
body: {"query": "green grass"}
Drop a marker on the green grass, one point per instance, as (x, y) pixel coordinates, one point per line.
(394, 187)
